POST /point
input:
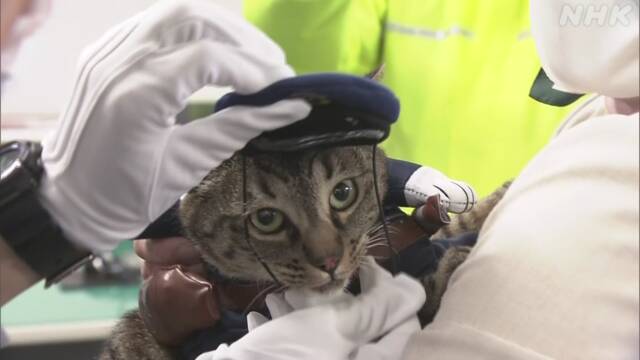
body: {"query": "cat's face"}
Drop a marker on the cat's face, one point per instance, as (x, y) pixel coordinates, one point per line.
(307, 216)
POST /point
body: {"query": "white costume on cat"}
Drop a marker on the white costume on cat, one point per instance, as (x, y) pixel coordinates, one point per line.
(555, 271)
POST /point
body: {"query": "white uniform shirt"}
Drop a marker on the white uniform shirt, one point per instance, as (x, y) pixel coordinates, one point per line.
(555, 271)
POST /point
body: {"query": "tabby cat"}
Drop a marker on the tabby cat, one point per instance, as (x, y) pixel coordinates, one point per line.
(307, 216)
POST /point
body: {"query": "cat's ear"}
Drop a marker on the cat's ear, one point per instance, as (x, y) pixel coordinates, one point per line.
(377, 73)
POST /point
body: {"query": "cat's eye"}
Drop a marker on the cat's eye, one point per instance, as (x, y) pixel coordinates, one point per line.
(267, 220)
(343, 195)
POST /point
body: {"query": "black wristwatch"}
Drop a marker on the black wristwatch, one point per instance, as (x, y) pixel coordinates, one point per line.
(25, 224)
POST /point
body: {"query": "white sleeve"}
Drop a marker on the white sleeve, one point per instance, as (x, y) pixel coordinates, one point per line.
(555, 271)
(220, 353)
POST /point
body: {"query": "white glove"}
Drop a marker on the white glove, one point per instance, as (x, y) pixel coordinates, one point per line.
(117, 160)
(458, 196)
(374, 325)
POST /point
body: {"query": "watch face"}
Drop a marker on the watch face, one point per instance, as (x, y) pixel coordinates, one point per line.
(9, 156)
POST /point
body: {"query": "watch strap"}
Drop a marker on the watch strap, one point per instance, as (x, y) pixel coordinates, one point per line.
(31, 232)
(37, 240)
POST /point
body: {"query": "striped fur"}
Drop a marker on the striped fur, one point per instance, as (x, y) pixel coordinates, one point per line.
(130, 340)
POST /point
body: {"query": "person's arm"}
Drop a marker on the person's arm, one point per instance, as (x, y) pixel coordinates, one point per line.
(117, 160)
(554, 274)
(15, 275)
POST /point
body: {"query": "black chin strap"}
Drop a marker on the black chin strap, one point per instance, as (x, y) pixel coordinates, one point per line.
(383, 220)
(246, 229)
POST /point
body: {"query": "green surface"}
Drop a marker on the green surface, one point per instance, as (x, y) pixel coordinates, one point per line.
(39, 306)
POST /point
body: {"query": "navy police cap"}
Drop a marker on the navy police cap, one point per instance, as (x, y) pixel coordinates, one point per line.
(346, 110)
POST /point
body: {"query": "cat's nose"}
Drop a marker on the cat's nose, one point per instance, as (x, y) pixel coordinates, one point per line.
(329, 264)
(324, 251)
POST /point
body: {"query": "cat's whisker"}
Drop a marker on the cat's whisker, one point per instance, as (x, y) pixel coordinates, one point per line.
(376, 235)
(380, 227)
(379, 245)
(390, 233)
(382, 235)
(378, 242)
(362, 261)
(372, 241)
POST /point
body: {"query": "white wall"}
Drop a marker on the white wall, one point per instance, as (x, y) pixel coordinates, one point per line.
(45, 67)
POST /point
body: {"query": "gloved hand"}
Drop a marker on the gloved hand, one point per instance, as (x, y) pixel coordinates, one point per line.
(412, 184)
(373, 325)
(117, 160)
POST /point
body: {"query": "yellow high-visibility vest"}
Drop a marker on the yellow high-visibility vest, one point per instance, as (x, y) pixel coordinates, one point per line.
(461, 69)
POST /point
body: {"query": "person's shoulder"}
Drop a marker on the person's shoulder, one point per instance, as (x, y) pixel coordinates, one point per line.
(593, 109)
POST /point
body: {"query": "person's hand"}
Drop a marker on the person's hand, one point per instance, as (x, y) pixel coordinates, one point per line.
(117, 160)
(412, 184)
(162, 253)
(176, 298)
(374, 325)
